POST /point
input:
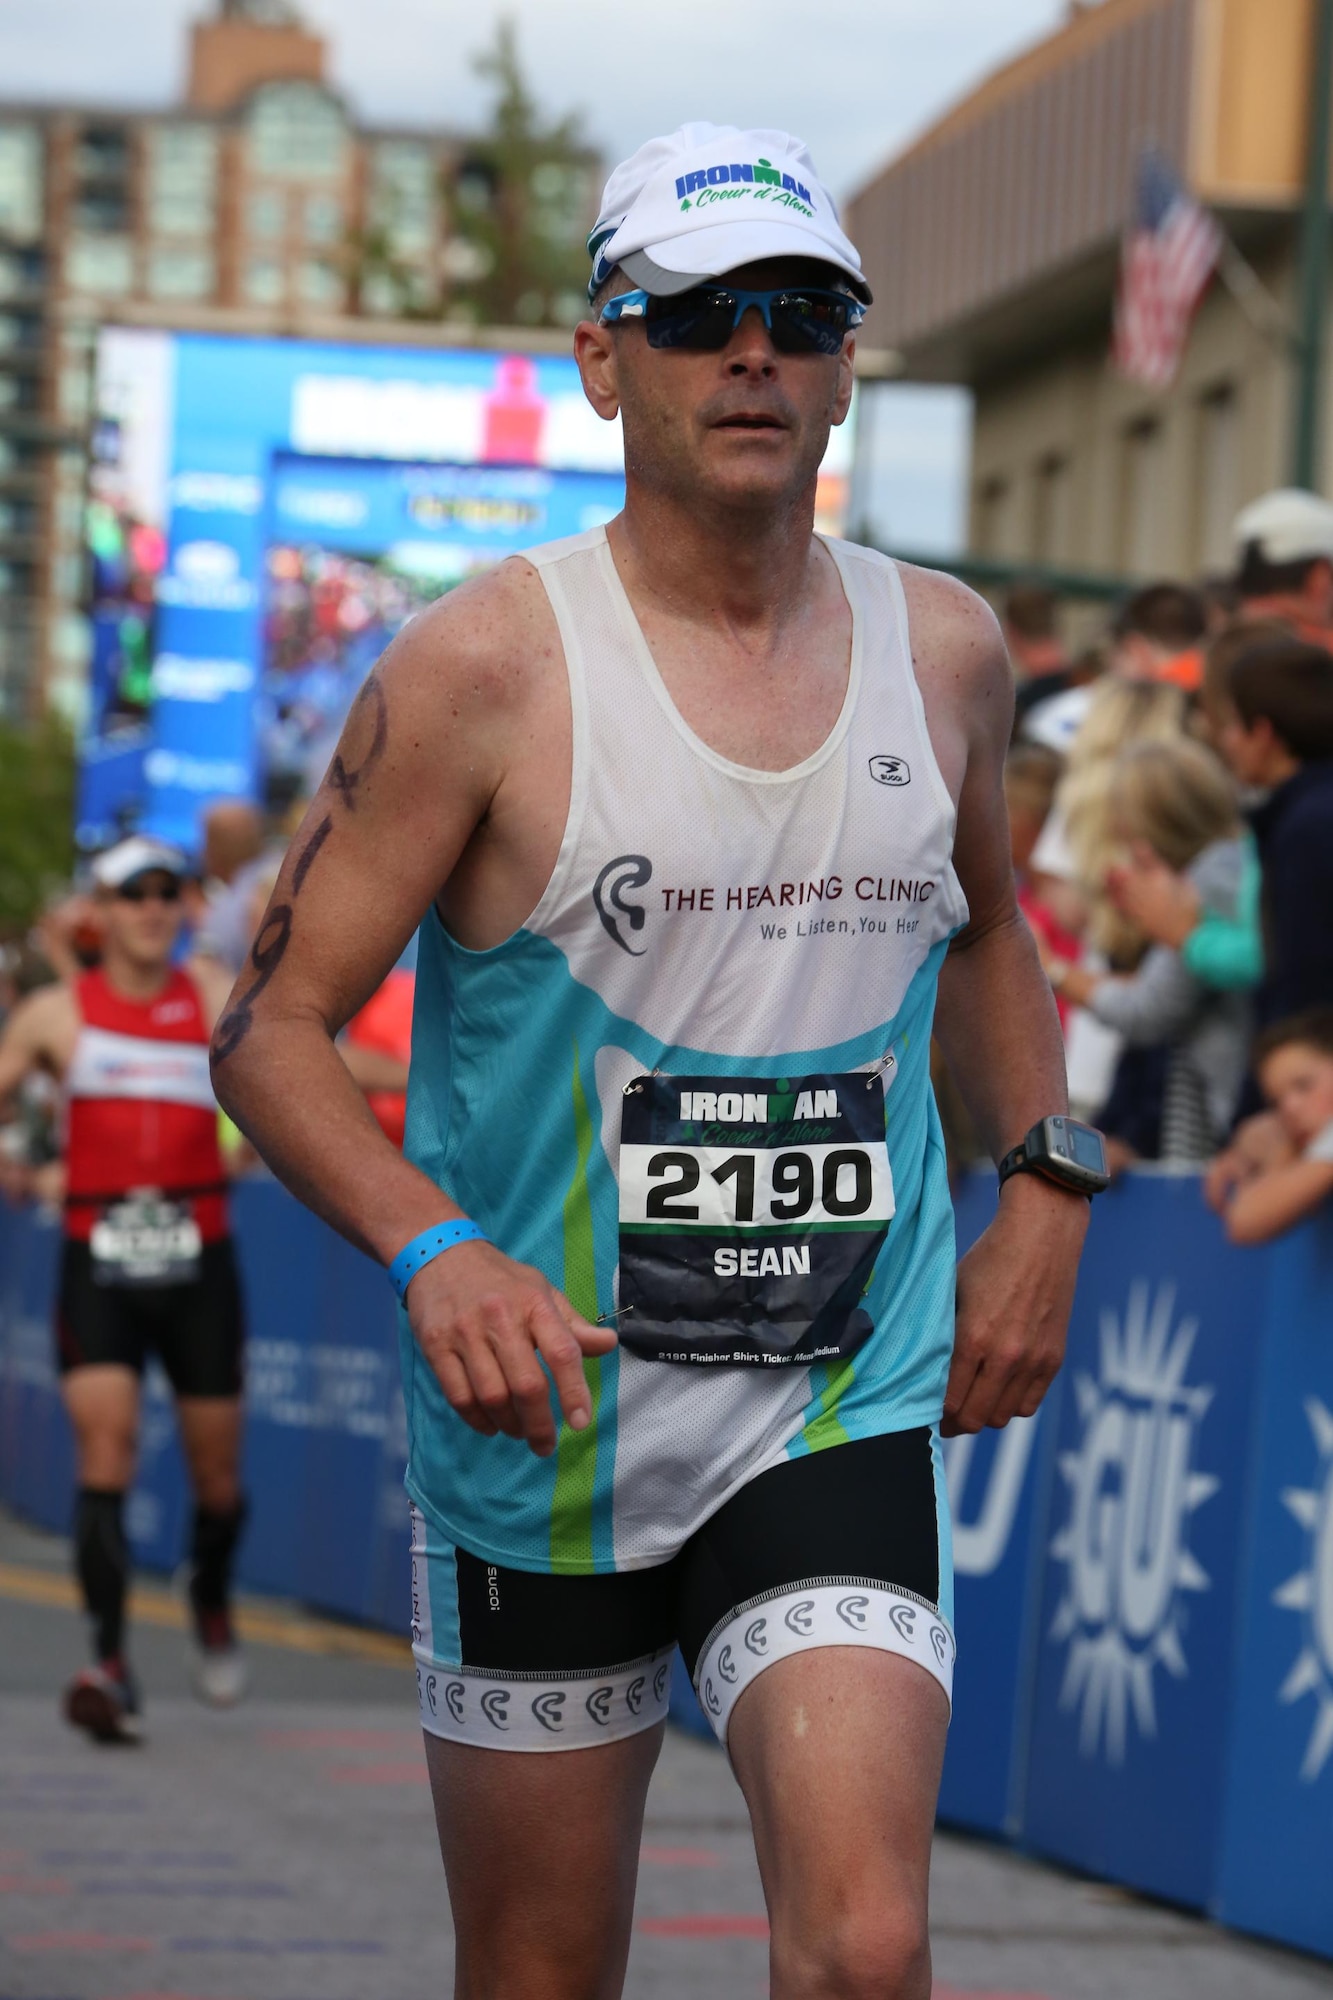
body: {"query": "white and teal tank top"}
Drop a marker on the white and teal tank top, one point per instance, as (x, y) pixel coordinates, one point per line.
(708, 923)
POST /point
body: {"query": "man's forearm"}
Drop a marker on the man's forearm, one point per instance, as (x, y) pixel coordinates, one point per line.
(1000, 1032)
(290, 1092)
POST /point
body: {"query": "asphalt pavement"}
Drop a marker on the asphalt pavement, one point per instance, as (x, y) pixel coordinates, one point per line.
(286, 1851)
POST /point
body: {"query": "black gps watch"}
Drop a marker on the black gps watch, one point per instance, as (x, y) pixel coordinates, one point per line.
(1064, 1151)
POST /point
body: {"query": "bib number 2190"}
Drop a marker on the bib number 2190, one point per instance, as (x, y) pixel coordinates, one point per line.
(751, 1213)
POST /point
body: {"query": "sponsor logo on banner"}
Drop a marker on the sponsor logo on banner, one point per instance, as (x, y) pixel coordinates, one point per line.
(195, 774)
(981, 1532)
(176, 678)
(1309, 1593)
(1134, 1489)
(217, 492)
(205, 576)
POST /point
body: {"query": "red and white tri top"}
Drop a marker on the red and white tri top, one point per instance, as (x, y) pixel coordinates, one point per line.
(140, 1110)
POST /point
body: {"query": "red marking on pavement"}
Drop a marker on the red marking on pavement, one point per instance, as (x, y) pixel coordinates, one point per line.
(32, 1885)
(680, 1857)
(79, 1941)
(380, 1774)
(705, 1926)
(339, 1739)
(971, 1993)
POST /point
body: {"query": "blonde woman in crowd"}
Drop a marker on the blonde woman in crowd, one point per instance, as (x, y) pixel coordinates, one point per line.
(1176, 799)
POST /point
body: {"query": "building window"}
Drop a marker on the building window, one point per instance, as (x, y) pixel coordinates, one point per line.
(297, 132)
(102, 264)
(1141, 518)
(994, 512)
(1218, 481)
(1050, 510)
(266, 214)
(323, 218)
(265, 282)
(178, 272)
(103, 153)
(405, 196)
(21, 181)
(182, 179)
(319, 283)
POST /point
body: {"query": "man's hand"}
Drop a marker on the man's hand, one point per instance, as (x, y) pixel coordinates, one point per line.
(482, 1321)
(1164, 905)
(1015, 1290)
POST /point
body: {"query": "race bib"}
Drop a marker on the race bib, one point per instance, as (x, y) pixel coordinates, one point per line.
(145, 1240)
(751, 1213)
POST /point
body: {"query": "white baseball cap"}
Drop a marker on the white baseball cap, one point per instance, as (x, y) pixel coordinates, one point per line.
(1285, 526)
(709, 198)
(136, 856)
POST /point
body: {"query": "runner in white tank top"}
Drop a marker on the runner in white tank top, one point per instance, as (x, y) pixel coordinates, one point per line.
(694, 813)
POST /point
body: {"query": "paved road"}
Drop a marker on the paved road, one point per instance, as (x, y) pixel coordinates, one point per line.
(286, 1852)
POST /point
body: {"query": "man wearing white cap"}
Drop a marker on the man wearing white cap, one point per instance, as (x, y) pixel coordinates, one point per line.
(1284, 561)
(146, 1262)
(692, 810)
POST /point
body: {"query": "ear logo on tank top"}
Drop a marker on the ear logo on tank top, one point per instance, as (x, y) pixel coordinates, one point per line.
(890, 771)
(627, 871)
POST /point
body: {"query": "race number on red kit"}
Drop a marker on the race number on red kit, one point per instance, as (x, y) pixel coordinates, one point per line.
(751, 1213)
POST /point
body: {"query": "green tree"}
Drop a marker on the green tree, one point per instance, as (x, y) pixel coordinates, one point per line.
(523, 198)
(36, 819)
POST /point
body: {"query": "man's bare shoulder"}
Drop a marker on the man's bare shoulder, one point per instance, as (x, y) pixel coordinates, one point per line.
(486, 645)
(958, 650)
(46, 1022)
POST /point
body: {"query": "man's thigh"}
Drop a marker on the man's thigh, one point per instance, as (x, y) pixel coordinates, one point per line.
(838, 1752)
(541, 1857)
(542, 1700)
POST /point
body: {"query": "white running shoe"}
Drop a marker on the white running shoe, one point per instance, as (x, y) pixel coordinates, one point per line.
(221, 1673)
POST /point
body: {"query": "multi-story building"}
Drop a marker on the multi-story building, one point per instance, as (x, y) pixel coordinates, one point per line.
(992, 244)
(259, 204)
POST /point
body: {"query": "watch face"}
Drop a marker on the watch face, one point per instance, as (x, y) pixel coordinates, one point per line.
(1085, 1147)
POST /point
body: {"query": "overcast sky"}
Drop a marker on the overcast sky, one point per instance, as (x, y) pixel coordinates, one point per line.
(855, 78)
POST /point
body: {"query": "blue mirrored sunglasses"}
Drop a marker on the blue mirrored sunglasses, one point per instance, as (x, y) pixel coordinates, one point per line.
(800, 320)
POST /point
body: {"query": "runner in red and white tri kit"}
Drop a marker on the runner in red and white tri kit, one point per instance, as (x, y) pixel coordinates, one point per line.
(146, 1263)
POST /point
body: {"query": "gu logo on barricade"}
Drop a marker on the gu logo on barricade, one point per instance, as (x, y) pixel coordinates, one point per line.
(1132, 1492)
(1310, 1592)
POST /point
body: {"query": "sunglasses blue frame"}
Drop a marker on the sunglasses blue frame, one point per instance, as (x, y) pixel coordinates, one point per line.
(635, 305)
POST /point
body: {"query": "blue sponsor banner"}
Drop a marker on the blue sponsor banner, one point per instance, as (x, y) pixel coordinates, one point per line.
(1141, 1556)
(266, 514)
(1277, 1849)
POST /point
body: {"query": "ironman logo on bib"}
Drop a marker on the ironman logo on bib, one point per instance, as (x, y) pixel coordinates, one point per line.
(751, 1213)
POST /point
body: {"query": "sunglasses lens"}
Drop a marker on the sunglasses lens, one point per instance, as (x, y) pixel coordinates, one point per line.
(809, 323)
(141, 892)
(700, 320)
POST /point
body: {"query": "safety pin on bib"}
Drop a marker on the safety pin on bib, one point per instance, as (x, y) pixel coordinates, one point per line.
(887, 1061)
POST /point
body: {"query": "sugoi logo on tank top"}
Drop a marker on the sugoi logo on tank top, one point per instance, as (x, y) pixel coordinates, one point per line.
(627, 871)
(887, 770)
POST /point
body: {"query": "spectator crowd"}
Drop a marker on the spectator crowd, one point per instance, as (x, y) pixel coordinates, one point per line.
(1171, 816)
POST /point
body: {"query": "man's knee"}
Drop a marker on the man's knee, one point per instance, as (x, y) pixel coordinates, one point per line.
(874, 1949)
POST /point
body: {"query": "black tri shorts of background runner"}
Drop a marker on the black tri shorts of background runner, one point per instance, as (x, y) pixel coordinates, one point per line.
(798, 1197)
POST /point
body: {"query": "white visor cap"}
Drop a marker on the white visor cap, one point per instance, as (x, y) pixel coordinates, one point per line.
(1286, 526)
(709, 198)
(136, 856)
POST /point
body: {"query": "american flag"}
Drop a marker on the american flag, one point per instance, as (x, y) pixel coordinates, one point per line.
(1166, 259)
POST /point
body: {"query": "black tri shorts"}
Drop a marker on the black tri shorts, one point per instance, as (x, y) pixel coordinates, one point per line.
(196, 1330)
(843, 1547)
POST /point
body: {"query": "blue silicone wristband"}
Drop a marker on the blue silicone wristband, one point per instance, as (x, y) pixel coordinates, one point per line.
(424, 1249)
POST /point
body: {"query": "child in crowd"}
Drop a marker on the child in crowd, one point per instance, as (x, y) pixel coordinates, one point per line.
(1279, 1168)
(1031, 774)
(1176, 798)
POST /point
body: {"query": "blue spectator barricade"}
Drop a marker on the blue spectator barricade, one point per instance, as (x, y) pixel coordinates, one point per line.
(1144, 1572)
